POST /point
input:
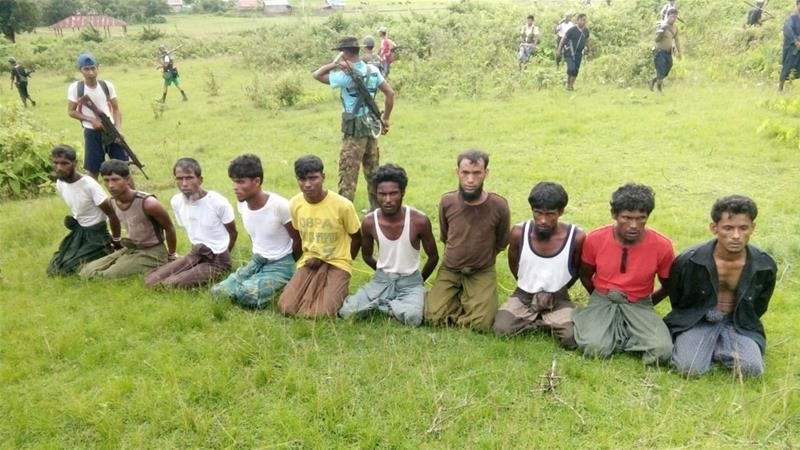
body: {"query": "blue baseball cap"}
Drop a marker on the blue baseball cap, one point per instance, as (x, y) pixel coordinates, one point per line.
(86, 60)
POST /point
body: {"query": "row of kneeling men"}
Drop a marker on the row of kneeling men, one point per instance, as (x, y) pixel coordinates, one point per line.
(304, 248)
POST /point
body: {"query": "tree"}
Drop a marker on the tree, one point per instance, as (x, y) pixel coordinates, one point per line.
(55, 10)
(17, 16)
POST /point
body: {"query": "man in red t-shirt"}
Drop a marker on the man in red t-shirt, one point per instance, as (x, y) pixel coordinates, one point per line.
(619, 263)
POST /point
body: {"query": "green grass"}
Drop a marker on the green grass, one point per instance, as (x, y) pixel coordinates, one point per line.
(113, 365)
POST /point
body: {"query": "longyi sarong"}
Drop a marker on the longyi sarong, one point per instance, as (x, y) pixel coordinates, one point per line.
(80, 246)
(256, 283)
(315, 293)
(466, 298)
(716, 339)
(524, 312)
(610, 323)
(400, 296)
(199, 267)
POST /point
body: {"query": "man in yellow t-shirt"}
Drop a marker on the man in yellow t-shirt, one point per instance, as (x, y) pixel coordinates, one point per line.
(329, 231)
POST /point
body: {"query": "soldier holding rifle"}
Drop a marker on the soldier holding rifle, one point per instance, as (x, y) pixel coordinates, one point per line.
(791, 46)
(169, 71)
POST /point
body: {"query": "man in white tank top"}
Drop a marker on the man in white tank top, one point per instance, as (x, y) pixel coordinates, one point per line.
(397, 287)
(544, 256)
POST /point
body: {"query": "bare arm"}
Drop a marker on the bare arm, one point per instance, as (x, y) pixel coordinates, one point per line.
(116, 112)
(113, 221)
(297, 243)
(232, 234)
(156, 210)
(513, 249)
(586, 272)
(368, 241)
(661, 292)
(575, 258)
(323, 73)
(355, 243)
(74, 111)
(429, 244)
(388, 104)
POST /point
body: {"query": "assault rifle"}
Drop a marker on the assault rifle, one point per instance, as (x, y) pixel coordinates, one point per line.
(760, 8)
(111, 134)
(377, 124)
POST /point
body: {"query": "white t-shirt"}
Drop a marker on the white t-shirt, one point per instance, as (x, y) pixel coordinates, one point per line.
(205, 219)
(83, 198)
(97, 96)
(266, 227)
(563, 27)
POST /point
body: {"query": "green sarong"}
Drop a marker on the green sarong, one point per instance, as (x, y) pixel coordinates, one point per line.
(80, 246)
(609, 323)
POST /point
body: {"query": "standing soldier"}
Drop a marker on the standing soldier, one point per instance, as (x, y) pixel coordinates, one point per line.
(561, 29)
(791, 46)
(573, 43)
(755, 14)
(369, 56)
(359, 124)
(19, 78)
(169, 72)
(666, 41)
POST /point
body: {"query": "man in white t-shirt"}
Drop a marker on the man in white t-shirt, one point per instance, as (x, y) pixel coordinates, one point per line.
(561, 30)
(276, 244)
(102, 93)
(209, 222)
(88, 238)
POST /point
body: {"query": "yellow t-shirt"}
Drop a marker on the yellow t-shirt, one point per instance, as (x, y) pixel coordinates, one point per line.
(325, 229)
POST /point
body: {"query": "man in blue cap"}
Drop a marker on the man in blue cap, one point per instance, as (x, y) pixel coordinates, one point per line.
(104, 96)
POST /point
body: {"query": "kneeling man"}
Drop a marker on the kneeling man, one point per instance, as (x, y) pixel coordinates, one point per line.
(474, 228)
(209, 222)
(88, 237)
(619, 264)
(329, 232)
(146, 221)
(719, 290)
(544, 255)
(397, 288)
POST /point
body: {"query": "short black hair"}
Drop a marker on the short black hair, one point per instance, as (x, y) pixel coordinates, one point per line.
(578, 17)
(391, 172)
(308, 164)
(548, 195)
(115, 166)
(473, 155)
(734, 204)
(64, 151)
(246, 166)
(190, 164)
(633, 197)
(530, 16)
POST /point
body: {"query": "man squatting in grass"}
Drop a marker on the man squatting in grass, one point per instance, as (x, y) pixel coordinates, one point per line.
(791, 47)
(146, 221)
(666, 41)
(276, 244)
(575, 40)
(544, 255)
(88, 237)
(619, 263)
(397, 288)
(359, 146)
(209, 222)
(330, 237)
(104, 96)
(719, 290)
(474, 227)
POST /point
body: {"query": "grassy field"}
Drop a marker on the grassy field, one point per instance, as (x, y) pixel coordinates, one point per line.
(113, 365)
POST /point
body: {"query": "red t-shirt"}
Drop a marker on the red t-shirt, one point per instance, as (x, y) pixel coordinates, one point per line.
(651, 256)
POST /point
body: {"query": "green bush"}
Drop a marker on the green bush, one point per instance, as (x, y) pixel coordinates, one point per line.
(91, 34)
(151, 33)
(24, 155)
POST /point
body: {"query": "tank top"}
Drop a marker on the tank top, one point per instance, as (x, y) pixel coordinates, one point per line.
(544, 273)
(397, 256)
(142, 230)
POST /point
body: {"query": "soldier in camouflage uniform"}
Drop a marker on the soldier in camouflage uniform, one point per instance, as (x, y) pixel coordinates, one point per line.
(359, 126)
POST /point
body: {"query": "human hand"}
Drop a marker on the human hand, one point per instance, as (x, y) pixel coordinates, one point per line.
(313, 263)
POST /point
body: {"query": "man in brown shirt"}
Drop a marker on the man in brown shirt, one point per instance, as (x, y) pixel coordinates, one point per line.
(474, 226)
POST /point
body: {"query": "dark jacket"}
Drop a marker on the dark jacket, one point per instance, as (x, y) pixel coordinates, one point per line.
(694, 290)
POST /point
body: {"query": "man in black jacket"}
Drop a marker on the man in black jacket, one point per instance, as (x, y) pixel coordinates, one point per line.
(719, 290)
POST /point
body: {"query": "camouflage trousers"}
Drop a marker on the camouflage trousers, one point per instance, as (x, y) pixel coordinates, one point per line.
(357, 151)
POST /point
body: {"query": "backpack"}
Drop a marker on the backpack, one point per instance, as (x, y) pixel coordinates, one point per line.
(103, 86)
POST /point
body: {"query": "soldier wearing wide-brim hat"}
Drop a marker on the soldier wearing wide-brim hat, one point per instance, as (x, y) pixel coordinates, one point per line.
(360, 127)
